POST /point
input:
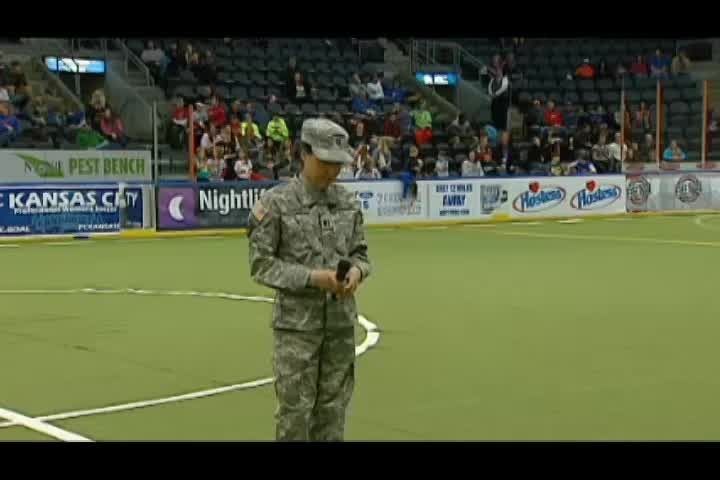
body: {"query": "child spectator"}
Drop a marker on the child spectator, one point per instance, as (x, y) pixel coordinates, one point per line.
(674, 153)
(243, 166)
(112, 128)
(472, 167)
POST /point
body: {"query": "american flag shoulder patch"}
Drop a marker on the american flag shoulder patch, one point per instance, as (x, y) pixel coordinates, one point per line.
(259, 211)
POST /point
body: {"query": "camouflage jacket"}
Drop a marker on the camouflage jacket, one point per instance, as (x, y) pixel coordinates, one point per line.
(295, 229)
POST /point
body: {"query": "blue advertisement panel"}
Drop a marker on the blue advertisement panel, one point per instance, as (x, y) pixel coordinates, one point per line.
(68, 209)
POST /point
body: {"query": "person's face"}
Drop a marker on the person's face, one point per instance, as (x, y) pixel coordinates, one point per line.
(648, 139)
(320, 174)
(413, 151)
(107, 113)
(471, 155)
(151, 45)
(536, 141)
(551, 105)
(674, 145)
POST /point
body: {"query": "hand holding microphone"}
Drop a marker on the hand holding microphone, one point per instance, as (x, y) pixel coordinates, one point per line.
(343, 281)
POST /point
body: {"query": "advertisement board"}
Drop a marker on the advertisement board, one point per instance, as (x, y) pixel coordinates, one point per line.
(68, 209)
(382, 201)
(183, 206)
(54, 166)
(566, 196)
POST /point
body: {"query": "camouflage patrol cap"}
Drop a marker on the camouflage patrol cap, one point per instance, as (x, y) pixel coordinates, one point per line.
(329, 141)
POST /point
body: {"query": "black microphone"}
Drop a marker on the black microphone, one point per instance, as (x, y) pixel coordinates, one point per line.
(342, 270)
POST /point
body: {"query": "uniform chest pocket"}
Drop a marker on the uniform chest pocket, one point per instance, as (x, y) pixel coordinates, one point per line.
(299, 231)
(344, 222)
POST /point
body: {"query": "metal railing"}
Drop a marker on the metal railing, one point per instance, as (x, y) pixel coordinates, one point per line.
(129, 58)
(57, 83)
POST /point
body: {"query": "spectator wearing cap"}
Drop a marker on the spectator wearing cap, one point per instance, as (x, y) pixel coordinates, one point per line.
(585, 71)
(659, 65)
(639, 67)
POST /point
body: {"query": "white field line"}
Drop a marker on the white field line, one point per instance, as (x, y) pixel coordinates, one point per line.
(601, 238)
(371, 339)
(9, 245)
(42, 427)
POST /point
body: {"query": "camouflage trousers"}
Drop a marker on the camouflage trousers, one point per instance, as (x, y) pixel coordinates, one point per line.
(314, 380)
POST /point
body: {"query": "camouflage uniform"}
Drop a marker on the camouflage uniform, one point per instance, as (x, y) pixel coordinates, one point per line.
(294, 229)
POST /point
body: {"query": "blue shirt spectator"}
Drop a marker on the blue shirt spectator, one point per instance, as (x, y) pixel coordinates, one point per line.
(674, 153)
(360, 104)
(659, 64)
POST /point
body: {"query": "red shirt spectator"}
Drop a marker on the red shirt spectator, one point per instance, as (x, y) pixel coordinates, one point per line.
(554, 118)
(180, 115)
(639, 67)
(585, 71)
(217, 114)
(392, 127)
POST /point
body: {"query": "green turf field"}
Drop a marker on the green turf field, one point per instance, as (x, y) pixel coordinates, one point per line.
(605, 329)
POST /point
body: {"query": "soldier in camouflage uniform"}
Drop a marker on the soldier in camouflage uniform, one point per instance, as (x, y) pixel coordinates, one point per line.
(298, 233)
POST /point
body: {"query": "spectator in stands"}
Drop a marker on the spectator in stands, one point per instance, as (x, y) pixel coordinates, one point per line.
(553, 116)
(243, 166)
(414, 163)
(155, 59)
(98, 105)
(4, 71)
(367, 171)
(471, 167)
(674, 153)
(362, 106)
(570, 116)
(277, 130)
(391, 128)
(582, 164)
(484, 153)
(506, 155)
(356, 86)
(620, 70)
(639, 67)
(601, 155)
(10, 127)
(442, 164)
(643, 118)
(584, 137)
(404, 118)
(396, 94)
(375, 90)
(460, 127)
(113, 129)
(209, 138)
(680, 63)
(358, 131)
(251, 130)
(203, 167)
(500, 95)
(179, 126)
(423, 124)
(299, 91)
(585, 71)
(646, 152)
(659, 65)
(20, 92)
(616, 155)
(382, 156)
(4, 94)
(217, 113)
(362, 153)
(497, 66)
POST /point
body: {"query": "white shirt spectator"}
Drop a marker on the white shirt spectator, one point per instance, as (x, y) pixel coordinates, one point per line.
(494, 90)
(243, 169)
(375, 90)
(4, 97)
(472, 169)
(442, 167)
(614, 151)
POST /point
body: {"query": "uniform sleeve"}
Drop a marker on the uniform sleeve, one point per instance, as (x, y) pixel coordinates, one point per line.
(264, 238)
(359, 248)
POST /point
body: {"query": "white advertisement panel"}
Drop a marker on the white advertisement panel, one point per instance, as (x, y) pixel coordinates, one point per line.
(672, 191)
(382, 201)
(566, 196)
(74, 166)
(463, 199)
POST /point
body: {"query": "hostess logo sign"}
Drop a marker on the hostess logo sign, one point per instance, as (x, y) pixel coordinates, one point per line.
(595, 195)
(538, 197)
